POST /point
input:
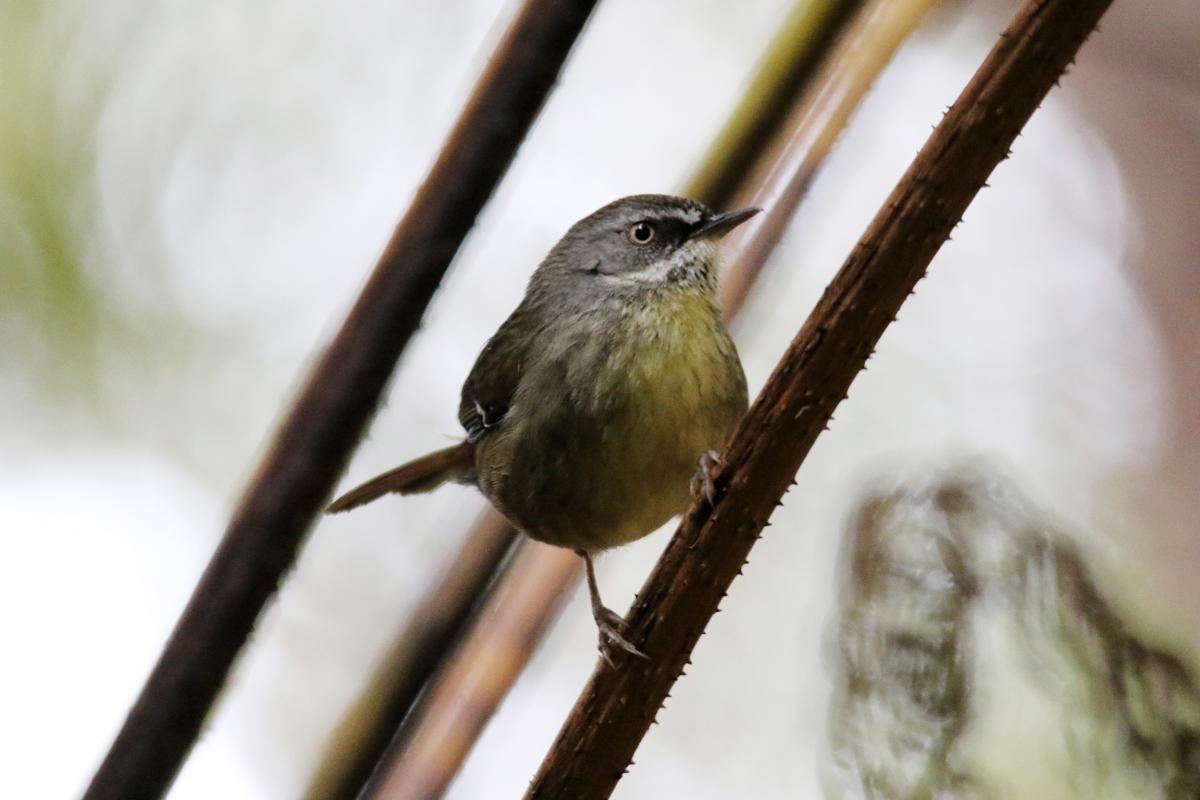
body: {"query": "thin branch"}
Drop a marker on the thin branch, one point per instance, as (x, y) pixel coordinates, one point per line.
(500, 647)
(786, 71)
(598, 740)
(315, 440)
(436, 738)
(433, 629)
(780, 183)
(809, 128)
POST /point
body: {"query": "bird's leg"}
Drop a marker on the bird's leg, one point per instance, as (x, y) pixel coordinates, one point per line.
(702, 482)
(609, 622)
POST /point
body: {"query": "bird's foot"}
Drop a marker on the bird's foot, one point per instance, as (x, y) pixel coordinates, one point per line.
(611, 626)
(706, 470)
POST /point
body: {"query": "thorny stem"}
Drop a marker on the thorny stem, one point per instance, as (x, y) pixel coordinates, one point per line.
(614, 711)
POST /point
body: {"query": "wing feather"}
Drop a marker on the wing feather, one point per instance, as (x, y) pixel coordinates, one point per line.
(488, 391)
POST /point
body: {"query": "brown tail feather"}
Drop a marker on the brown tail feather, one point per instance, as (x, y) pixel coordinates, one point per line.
(419, 475)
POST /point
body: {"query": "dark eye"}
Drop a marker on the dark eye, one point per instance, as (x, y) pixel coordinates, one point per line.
(641, 233)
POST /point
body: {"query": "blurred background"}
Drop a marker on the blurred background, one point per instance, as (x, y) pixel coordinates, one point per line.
(191, 195)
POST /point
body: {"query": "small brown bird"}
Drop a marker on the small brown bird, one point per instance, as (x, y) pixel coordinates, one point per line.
(588, 409)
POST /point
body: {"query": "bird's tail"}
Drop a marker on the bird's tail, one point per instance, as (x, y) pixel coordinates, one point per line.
(423, 474)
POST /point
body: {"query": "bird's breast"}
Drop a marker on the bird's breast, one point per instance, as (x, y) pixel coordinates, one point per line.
(609, 429)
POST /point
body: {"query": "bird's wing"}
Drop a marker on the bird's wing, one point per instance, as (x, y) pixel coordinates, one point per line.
(488, 391)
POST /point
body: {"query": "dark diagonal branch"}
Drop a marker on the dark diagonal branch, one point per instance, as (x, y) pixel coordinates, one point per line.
(315, 440)
(598, 740)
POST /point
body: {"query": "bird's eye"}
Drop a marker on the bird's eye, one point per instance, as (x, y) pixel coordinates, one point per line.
(641, 233)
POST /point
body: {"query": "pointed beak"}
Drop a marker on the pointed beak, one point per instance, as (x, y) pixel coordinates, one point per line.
(718, 225)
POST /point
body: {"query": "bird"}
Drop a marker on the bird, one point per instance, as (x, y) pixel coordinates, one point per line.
(597, 410)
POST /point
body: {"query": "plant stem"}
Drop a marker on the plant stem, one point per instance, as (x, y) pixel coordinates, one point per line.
(597, 742)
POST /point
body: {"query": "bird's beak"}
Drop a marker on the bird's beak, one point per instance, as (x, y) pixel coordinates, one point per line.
(718, 225)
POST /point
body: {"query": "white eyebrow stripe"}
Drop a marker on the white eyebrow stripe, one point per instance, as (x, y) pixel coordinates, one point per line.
(689, 215)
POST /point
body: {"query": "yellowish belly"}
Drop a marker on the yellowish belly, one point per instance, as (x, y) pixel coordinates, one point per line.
(613, 461)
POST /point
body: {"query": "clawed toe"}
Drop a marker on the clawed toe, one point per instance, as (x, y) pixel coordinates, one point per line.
(611, 624)
(702, 482)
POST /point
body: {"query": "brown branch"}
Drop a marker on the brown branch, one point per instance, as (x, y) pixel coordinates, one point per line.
(806, 131)
(372, 725)
(499, 647)
(315, 440)
(598, 740)
(778, 184)
(435, 740)
(786, 72)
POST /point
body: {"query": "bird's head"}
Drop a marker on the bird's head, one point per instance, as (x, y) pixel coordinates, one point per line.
(646, 241)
